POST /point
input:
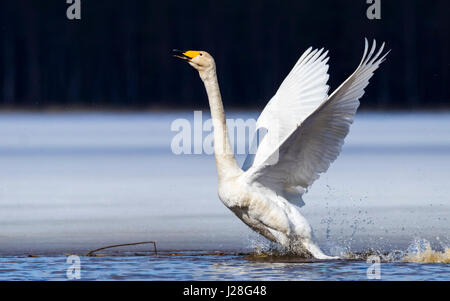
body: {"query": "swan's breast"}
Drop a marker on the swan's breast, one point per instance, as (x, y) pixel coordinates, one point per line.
(254, 208)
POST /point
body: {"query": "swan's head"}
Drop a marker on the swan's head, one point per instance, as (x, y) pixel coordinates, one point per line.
(200, 60)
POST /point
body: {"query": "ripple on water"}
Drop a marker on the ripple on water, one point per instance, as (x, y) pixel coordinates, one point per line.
(212, 267)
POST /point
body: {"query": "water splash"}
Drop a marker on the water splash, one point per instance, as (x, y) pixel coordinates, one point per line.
(421, 251)
(264, 248)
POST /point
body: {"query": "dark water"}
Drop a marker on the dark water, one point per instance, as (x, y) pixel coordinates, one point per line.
(210, 267)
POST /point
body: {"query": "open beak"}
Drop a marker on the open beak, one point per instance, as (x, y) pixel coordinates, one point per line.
(180, 54)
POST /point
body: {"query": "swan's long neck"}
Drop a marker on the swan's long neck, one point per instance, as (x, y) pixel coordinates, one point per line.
(223, 151)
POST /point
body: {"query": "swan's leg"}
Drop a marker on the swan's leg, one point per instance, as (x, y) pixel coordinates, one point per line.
(280, 237)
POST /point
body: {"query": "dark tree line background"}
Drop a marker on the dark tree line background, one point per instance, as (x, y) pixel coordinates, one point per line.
(119, 54)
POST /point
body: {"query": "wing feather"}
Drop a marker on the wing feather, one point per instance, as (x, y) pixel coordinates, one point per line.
(315, 143)
(302, 92)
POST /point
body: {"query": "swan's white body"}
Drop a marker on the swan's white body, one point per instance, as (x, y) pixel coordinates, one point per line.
(305, 132)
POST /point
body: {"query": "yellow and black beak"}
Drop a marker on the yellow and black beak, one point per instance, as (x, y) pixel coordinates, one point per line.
(185, 55)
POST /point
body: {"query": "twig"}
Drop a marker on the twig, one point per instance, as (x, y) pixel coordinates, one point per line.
(123, 245)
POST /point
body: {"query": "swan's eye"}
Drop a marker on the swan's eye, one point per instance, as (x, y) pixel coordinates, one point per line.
(201, 54)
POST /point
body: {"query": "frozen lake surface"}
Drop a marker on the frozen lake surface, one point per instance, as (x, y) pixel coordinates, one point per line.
(71, 182)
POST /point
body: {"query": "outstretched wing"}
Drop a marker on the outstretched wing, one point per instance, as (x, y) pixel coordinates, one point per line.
(300, 94)
(316, 143)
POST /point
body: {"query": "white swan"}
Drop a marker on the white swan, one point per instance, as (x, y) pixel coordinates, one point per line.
(305, 130)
